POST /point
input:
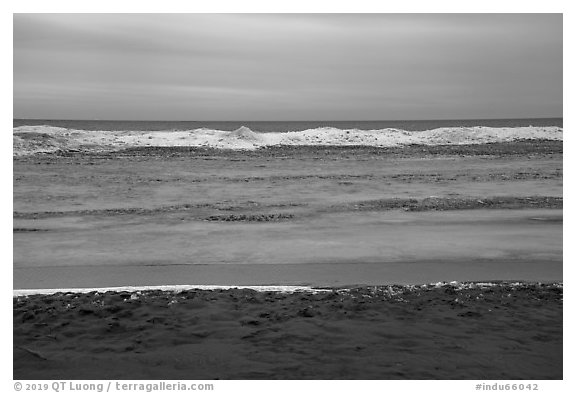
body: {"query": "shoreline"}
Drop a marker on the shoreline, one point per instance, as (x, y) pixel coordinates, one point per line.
(317, 275)
(165, 288)
(271, 288)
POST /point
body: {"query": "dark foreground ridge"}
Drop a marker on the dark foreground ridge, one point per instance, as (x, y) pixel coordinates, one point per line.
(438, 331)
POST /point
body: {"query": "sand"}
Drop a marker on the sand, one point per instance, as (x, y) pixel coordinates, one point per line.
(442, 331)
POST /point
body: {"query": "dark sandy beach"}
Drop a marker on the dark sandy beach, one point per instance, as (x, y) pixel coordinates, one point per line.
(450, 331)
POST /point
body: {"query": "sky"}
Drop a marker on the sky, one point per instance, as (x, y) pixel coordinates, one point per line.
(287, 66)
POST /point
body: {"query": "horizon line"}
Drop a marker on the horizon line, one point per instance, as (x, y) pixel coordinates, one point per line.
(320, 120)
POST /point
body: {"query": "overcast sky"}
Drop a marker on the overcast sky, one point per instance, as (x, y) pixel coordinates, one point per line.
(287, 67)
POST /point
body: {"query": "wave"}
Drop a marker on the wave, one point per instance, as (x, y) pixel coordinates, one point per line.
(47, 139)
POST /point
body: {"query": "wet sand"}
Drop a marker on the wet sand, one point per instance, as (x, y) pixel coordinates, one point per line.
(188, 209)
(369, 248)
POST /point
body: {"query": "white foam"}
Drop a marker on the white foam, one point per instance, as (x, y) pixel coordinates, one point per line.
(51, 139)
(168, 288)
(268, 288)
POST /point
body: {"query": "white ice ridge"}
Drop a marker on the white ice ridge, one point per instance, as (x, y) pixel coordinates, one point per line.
(167, 288)
(46, 139)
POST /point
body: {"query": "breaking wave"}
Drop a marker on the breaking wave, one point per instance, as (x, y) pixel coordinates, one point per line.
(47, 139)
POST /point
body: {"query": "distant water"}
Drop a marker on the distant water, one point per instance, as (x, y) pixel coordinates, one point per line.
(284, 126)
